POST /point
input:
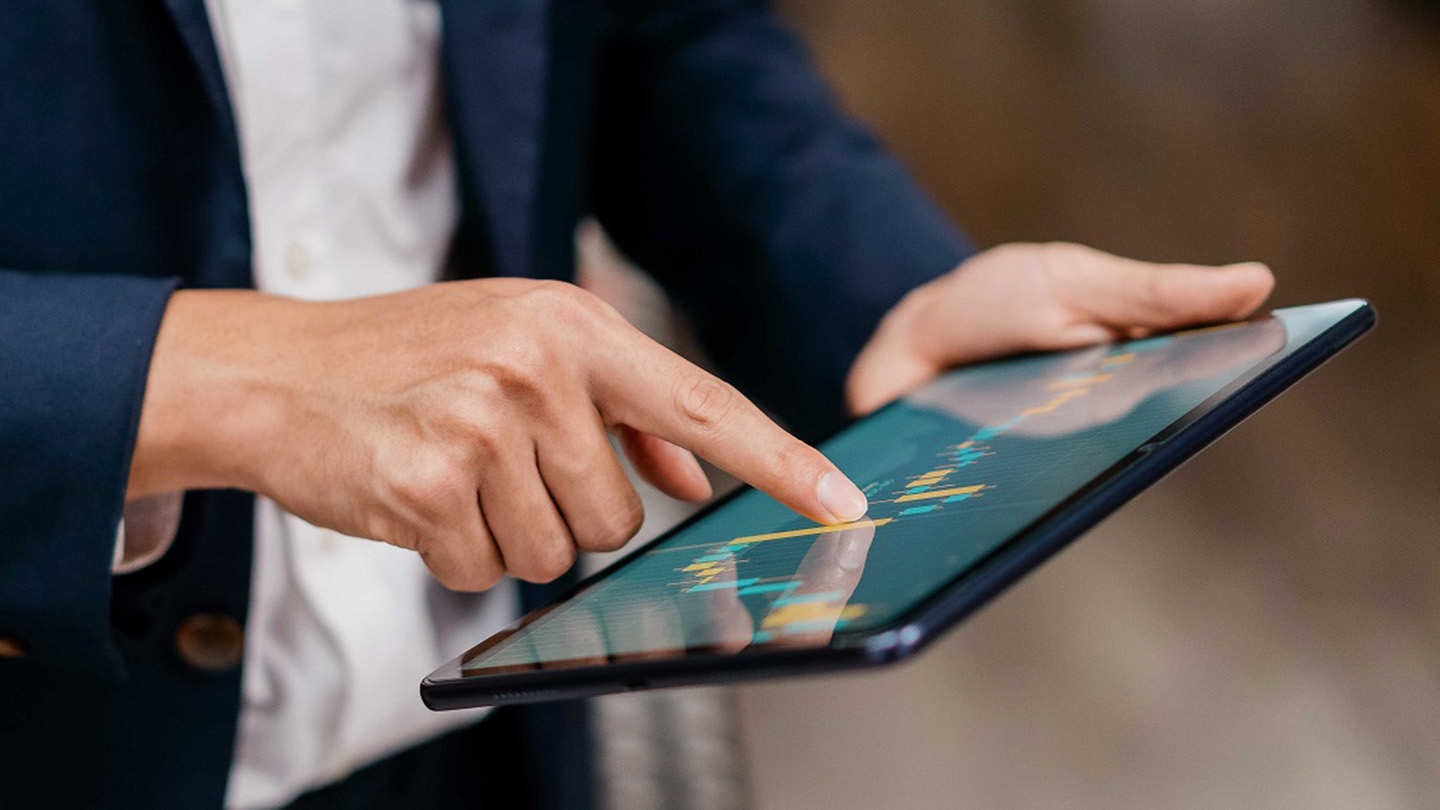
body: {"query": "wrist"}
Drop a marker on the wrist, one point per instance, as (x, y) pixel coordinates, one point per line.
(210, 401)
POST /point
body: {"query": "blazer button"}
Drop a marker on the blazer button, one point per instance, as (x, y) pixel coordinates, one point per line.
(210, 642)
(10, 648)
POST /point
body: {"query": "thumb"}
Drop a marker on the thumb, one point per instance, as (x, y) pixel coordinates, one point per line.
(883, 372)
(1125, 294)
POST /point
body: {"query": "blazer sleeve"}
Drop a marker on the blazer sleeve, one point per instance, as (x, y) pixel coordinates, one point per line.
(781, 225)
(75, 351)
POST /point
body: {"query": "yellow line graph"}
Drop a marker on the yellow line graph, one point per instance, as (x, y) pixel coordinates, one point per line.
(1075, 382)
(835, 527)
(1060, 399)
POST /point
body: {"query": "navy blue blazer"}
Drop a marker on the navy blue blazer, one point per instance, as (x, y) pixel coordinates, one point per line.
(696, 130)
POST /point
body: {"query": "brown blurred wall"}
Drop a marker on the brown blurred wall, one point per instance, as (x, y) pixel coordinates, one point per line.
(1262, 629)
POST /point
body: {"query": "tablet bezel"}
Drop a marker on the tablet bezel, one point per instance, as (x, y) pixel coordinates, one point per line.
(909, 632)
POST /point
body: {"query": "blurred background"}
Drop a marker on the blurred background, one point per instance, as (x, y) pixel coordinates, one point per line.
(1261, 629)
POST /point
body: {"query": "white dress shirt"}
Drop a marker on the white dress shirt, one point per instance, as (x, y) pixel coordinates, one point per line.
(352, 192)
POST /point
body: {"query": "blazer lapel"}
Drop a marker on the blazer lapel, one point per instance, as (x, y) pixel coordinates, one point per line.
(495, 54)
(193, 23)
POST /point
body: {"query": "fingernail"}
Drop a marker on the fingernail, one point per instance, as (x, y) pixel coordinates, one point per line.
(840, 498)
(854, 548)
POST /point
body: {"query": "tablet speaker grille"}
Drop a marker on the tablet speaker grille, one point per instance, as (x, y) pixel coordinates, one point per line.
(521, 694)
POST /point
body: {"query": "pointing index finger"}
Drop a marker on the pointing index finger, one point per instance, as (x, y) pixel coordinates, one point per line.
(652, 389)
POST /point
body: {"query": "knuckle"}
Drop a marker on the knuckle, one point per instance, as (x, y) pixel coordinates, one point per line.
(428, 483)
(562, 301)
(454, 580)
(803, 463)
(1058, 264)
(517, 368)
(533, 375)
(1073, 250)
(580, 313)
(631, 517)
(551, 290)
(479, 432)
(472, 576)
(484, 444)
(486, 577)
(1065, 255)
(1061, 262)
(462, 416)
(621, 523)
(469, 581)
(706, 403)
(548, 561)
(558, 562)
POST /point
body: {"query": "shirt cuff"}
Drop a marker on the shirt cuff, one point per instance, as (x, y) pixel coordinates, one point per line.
(147, 528)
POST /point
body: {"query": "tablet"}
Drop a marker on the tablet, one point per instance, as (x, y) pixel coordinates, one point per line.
(973, 479)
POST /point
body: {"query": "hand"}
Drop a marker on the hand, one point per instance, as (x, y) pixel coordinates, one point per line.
(465, 421)
(1023, 297)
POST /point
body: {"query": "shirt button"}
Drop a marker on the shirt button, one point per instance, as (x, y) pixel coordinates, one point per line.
(210, 642)
(10, 648)
(297, 261)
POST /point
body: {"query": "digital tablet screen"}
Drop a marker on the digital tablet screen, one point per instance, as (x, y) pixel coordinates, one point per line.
(953, 472)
